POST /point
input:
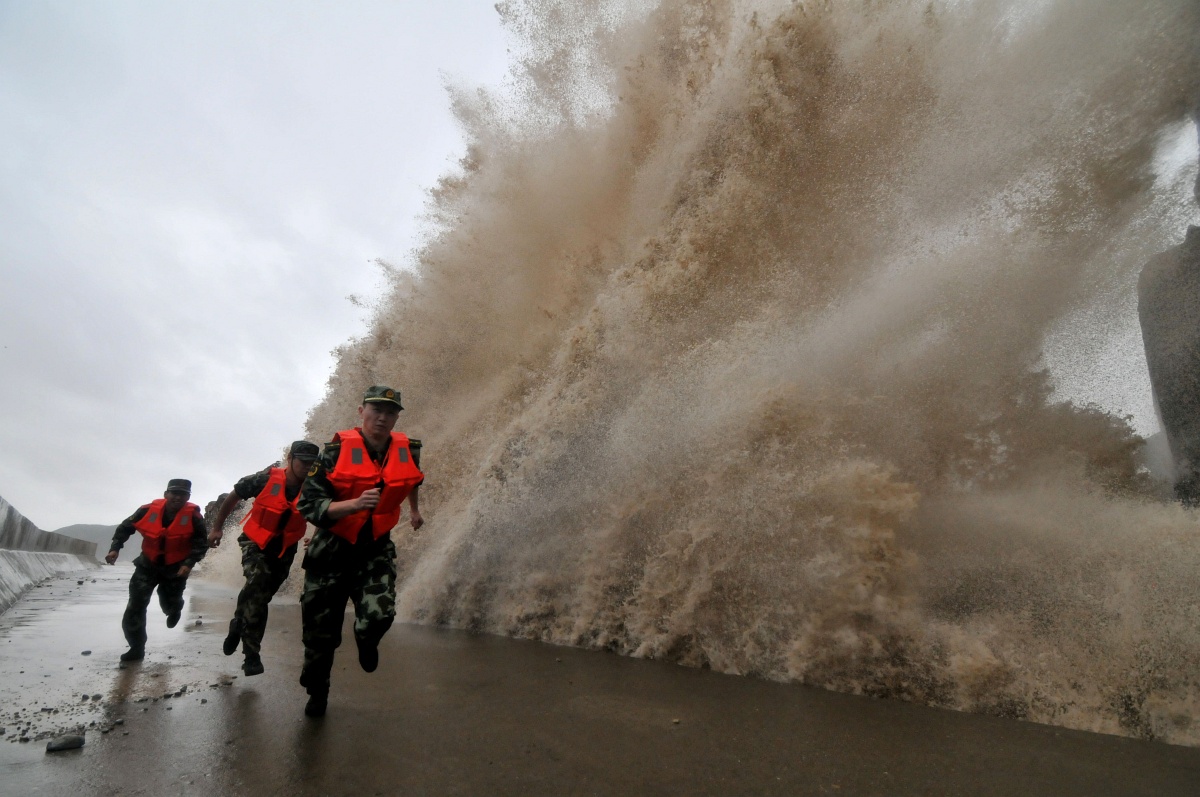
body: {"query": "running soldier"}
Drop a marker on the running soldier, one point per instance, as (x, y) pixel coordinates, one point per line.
(270, 534)
(173, 541)
(353, 496)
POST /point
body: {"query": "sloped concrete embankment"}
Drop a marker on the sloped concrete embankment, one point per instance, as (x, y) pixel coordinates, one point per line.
(29, 555)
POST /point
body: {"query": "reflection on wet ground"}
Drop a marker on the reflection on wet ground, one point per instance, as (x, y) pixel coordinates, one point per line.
(452, 713)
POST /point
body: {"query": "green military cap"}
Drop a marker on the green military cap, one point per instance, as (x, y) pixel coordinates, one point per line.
(304, 450)
(382, 394)
(179, 486)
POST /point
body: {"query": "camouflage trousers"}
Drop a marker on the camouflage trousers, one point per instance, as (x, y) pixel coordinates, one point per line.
(146, 576)
(370, 585)
(265, 572)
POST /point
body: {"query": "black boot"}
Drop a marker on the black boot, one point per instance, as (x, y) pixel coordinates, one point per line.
(316, 704)
(233, 639)
(133, 654)
(173, 618)
(368, 654)
(253, 665)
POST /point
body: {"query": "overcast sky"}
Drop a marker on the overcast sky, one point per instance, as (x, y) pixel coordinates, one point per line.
(189, 192)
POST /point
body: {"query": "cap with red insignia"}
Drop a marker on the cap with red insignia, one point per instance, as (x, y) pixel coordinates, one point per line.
(382, 394)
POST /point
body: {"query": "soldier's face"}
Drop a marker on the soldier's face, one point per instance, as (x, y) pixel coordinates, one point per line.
(175, 500)
(378, 418)
(299, 467)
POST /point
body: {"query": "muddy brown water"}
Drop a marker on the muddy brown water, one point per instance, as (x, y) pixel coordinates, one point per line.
(449, 712)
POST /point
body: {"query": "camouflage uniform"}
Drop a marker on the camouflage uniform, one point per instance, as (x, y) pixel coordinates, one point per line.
(148, 574)
(337, 571)
(265, 571)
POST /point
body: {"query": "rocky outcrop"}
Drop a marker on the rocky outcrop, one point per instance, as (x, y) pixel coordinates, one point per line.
(1169, 312)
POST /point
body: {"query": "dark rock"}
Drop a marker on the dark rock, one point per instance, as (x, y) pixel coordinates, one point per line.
(1169, 311)
(86, 653)
(63, 743)
(96, 697)
(119, 721)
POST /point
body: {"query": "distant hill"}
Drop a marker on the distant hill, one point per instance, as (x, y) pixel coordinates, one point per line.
(92, 532)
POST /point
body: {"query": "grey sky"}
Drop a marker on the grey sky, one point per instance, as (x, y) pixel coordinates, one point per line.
(188, 194)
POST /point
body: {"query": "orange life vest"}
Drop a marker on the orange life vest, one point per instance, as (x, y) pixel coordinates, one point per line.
(355, 473)
(173, 543)
(262, 522)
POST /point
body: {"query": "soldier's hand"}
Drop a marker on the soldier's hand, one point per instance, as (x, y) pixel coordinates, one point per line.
(306, 541)
(368, 500)
(183, 571)
(110, 557)
(214, 539)
(415, 519)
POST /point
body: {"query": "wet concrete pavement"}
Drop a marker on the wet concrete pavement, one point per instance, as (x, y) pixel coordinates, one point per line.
(450, 713)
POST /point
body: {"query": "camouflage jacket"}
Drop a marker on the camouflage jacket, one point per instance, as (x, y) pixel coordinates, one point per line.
(327, 551)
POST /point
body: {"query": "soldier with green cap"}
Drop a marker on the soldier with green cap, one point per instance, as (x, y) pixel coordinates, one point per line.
(173, 541)
(270, 533)
(353, 495)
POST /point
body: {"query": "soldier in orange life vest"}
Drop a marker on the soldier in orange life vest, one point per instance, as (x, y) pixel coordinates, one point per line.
(270, 533)
(353, 496)
(173, 541)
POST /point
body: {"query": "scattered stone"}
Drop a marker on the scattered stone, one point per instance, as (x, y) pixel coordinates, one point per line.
(674, 722)
(125, 733)
(170, 707)
(87, 697)
(199, 622)
(79, 582)
(97, 696)
(63, 743)
(105, 730)
(86, 653)
(120, 721)
(202, 700)
(46, 709)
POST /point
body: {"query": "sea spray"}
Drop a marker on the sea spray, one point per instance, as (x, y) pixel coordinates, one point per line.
(726, 345)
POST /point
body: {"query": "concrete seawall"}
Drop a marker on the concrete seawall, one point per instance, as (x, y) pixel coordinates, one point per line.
(18, 533)
(29, 555)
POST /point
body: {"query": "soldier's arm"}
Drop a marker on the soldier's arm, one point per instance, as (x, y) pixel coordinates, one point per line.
(122, 534)
(199, 541)
(228, 505)
(317, 493)
(247, 487)
(319, 500)
(414, 508)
